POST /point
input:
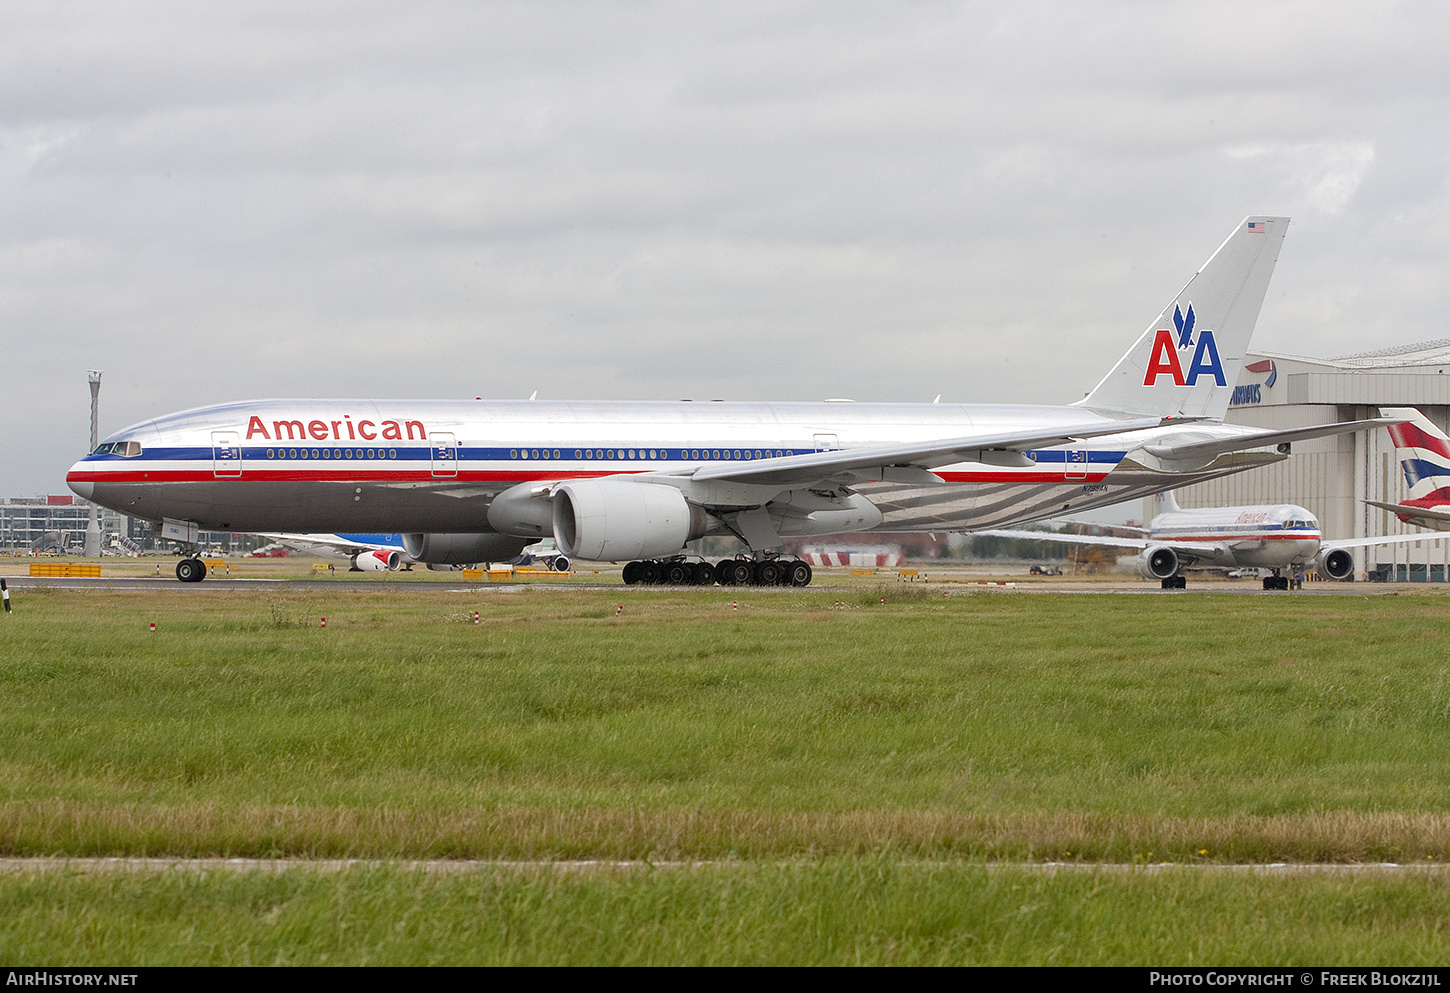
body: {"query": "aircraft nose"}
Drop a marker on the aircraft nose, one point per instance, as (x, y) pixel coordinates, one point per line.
(81, 488)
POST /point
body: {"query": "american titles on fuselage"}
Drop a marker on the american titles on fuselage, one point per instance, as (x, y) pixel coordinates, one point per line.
(362, 430)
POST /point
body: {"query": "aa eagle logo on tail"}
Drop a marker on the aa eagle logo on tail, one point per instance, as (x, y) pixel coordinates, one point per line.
(1164, 360)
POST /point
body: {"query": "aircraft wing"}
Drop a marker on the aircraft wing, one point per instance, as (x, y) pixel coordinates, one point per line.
(1387, 539)
(1412, 515)
(350, 544)
(1003, 449)
(1193, 446)
(1083, 539)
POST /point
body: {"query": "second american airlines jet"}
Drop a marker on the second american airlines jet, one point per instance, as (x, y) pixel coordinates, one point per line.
(1278, 537)
(471, 481)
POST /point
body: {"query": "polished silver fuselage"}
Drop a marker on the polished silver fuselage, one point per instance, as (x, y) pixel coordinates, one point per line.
(435, 466)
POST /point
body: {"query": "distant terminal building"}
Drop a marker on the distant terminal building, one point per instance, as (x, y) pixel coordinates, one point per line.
(1333, 477)
(58, 523)
(51, 522)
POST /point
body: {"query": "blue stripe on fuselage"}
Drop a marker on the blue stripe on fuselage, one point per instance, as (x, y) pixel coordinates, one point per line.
(355, 453)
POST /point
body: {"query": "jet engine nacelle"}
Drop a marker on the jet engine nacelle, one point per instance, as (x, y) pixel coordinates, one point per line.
(376, 560)
(462, 549)
(1334, 563)
(610, 520)
(1158, 562)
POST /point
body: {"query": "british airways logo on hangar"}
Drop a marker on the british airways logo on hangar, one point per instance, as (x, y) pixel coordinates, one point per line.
(1164, 360)
(1253, 392)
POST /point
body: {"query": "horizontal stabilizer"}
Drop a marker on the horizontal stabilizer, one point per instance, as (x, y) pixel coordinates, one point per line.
(1433, 518)
(1198, 448)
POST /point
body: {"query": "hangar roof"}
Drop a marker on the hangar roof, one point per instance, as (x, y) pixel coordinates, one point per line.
(1404, 375)
(1425, 353)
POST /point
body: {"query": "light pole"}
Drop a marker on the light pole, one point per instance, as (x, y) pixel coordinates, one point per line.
(92, 547)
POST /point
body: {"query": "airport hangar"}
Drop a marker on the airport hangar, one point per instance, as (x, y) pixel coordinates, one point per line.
(1332, 477)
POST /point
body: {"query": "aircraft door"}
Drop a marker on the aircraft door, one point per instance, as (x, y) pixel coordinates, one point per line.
(226, 454)
(827, 443)
(445, 454)
(1075, 462)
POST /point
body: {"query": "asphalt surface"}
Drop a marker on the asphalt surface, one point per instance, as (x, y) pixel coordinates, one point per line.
(948, 587)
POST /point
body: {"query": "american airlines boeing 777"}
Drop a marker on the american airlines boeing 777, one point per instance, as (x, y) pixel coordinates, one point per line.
(471, 481)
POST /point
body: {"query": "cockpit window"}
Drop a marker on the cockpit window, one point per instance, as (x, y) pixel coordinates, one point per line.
(126, 449)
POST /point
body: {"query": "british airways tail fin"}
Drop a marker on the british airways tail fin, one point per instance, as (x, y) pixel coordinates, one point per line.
(1186, 363)
(1424, 454)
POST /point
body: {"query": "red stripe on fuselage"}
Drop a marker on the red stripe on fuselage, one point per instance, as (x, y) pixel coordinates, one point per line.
(470, 475)
(1240, 536)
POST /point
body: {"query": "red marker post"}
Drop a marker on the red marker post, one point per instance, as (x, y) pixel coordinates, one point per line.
(324, 622)
(153, 627)
(475, 617)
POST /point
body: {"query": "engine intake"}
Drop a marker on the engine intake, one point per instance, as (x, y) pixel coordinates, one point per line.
(609, 520)
(1334, 563)
(1158, 562)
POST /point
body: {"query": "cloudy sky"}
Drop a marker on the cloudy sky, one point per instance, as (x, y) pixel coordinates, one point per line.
(771, 200)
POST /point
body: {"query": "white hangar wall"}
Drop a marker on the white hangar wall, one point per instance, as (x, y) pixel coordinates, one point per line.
(1332, 477)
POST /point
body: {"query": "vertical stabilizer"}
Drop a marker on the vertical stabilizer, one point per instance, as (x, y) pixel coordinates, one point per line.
(1165, 503)
(1186, 363)
(1424, 454)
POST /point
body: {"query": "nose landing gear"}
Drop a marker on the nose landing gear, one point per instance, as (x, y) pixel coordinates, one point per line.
(191, 570)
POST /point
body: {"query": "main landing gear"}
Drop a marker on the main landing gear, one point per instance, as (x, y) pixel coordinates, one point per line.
(191, 570)
(730, 572)
(1278, 582)
(1176, 583)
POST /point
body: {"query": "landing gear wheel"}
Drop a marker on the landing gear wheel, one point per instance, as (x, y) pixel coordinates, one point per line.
(649, 573)
(191, 570)
(738, 573)
(798, 574)
(768, 573)
(1176, 583)
(676, 573)
(631, 573)
(704, 574)
(724, 575)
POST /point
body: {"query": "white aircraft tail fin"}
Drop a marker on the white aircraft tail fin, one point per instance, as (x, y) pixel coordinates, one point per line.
(1165, 503)
(1187, 362)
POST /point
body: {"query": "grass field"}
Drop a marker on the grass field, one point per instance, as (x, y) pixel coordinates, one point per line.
(877, 911)
(803, 743)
